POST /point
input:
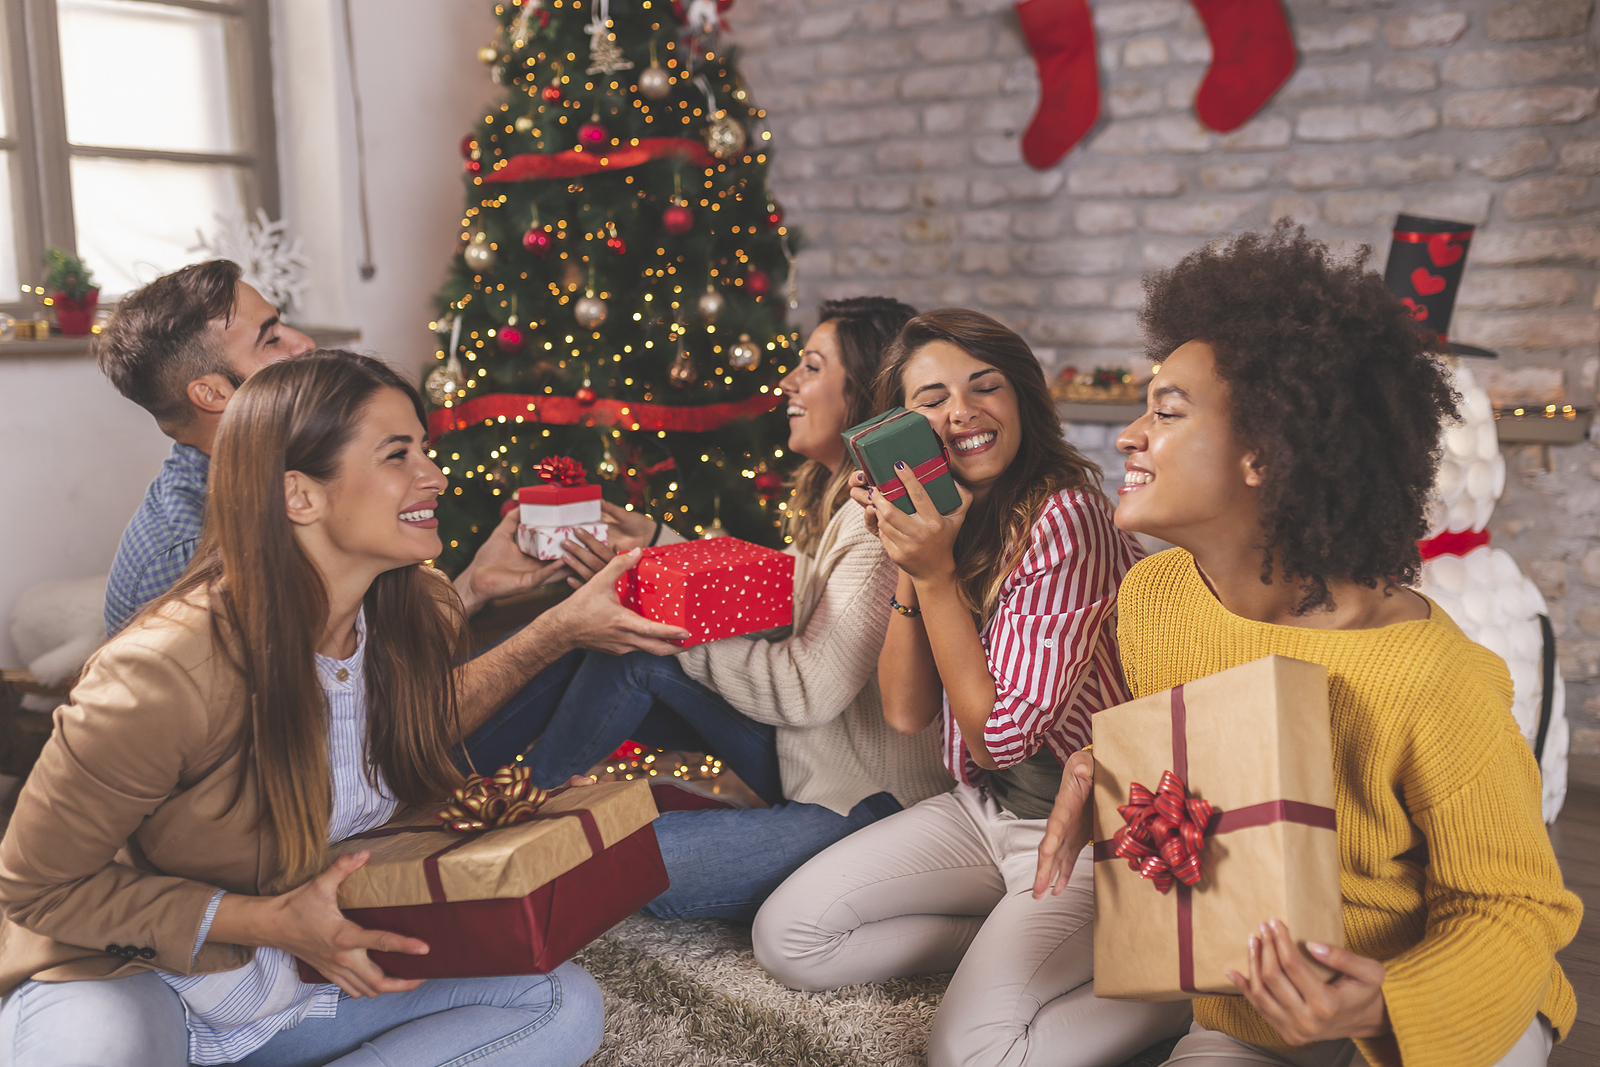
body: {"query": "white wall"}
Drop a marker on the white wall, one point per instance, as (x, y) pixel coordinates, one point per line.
(81, 455)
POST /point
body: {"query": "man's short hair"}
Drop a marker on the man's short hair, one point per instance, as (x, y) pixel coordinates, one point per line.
(160, 338)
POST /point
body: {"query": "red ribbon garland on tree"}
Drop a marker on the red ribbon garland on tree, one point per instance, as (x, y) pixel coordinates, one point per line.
(1165, 832)
(562, 470)
(575, 163)
(568, 411)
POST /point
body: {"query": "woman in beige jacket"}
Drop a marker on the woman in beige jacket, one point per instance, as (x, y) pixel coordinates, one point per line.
(797, 717)
(164, 866)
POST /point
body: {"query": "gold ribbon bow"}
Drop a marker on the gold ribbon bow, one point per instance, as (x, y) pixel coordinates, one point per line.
(506, 797)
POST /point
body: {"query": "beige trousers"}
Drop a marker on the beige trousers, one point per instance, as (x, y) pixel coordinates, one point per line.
(947, 885)
(1210, 1048)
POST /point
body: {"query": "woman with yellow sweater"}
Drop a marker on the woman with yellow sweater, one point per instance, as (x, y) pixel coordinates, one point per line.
(1288, 450)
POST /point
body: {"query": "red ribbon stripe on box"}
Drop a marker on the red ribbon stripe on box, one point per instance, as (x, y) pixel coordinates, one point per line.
(570, 411)
(1217, 822)
(924, 472)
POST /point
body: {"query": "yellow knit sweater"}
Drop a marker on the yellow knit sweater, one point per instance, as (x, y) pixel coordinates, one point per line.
(1445, 865)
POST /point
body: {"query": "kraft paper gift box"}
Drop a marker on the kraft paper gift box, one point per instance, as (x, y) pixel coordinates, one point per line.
(520, 899)
(1255, 743)
(546, 542)
(559, 505)
(718, 587)
(906, 436)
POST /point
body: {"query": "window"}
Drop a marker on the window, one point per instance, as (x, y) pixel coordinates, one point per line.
(127, 127)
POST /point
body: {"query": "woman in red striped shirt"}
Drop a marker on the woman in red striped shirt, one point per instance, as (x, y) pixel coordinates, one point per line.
(1004, 628)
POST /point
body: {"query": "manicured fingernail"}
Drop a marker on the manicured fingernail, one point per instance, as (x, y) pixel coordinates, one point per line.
(1252, 942)
(1262, 930)
(1317, 948)
(899, 465)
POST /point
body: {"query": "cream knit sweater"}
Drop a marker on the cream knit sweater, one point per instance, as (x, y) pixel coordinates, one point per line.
(819, 686)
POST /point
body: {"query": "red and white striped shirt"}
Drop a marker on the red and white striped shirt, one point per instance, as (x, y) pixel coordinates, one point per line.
(1052, 640)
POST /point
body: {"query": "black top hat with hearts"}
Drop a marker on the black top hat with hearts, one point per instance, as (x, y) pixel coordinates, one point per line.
(1424, 271)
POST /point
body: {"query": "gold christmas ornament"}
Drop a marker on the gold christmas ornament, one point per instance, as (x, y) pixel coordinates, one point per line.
(488, 55)
(714, 530)
(607, 468)
(654, 82)
(590, 311)
(524, 123)
(724, 137)
(682, 370)
(746, 355)
(479, 254)
(444, 382)
(710, 304)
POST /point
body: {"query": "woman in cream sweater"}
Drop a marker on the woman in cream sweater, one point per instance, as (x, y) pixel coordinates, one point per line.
(1288, 451)
(797, 718)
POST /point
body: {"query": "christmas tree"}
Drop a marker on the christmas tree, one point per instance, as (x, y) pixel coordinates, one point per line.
(620, 290)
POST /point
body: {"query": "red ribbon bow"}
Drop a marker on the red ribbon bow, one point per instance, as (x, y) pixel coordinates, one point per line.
(562, 470)
(1165, 832)
(506, 797)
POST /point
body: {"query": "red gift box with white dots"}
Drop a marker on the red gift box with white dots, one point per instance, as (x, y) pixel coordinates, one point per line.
(719, 587)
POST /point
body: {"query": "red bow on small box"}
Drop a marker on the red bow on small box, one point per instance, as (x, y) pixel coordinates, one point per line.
(506, 797)
(562, 470)
(1165, 832)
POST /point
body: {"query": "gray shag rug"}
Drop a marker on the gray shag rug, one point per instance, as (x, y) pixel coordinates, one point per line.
(689, 994)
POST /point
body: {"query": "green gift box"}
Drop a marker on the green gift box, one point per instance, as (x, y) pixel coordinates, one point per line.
(903, 436)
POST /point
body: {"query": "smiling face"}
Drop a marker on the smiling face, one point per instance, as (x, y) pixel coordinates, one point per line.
(973, 409)
(819, 410)
(1188, 477)
(377, 513)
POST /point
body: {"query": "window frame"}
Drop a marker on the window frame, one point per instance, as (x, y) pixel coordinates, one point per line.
(42, 168)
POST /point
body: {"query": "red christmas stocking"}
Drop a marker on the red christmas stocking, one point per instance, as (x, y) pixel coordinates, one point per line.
(1252, 54)
(1061, 35)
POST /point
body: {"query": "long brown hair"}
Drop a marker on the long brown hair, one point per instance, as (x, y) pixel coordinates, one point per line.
(268, 604)
(864, 327)
(995, 533)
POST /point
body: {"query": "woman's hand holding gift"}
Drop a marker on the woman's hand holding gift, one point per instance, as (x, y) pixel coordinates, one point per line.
(921, 544)
(1069, 827)
(1299, 1003)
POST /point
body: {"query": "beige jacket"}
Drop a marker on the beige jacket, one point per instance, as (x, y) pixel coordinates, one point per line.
(819, 686)
(126, 827)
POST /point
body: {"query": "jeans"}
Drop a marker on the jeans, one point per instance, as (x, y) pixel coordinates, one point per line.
(576, 711)
(549, 1020)
(724, 864)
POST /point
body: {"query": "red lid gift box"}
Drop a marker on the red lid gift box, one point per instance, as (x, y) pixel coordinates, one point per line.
(720, 587)
(509, 879)
(564, 500)
(1213, 812)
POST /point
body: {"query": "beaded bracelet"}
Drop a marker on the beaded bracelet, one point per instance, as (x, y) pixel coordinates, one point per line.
(909, 613)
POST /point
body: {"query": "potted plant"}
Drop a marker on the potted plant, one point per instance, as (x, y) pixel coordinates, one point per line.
(72, 290)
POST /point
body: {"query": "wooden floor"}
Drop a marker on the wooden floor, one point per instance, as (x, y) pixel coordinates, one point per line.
(1576, 836)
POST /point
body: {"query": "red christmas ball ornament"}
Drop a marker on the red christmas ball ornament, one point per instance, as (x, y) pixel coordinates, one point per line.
(551, 94)
(769, 484)
(538, 241)
(617, 245)
(592, 133)
(758, 283)
(774, 216)
(473, 166)
(510, 338)
(468, 143)
(678, 219)
(584, 395)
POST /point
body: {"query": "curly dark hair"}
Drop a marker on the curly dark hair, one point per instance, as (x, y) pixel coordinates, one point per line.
(1334, 386)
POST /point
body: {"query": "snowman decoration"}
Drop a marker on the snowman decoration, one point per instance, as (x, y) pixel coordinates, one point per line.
(1479, 586)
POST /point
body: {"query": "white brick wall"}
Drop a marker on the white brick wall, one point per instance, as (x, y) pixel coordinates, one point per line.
(896, 125)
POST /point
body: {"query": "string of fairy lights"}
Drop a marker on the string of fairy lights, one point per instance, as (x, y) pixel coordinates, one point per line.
(620, 241)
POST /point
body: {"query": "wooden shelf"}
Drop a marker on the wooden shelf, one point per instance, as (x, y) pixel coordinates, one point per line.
(70, 347)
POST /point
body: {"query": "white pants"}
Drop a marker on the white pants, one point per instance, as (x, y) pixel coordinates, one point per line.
(1211, 1048)
(948, 885)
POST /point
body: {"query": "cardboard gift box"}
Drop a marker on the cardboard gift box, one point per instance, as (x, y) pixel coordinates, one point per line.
(904, 436)
(559, 505)
(1255, 832)
(545, 542)
(718, 587)
(520, 899)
